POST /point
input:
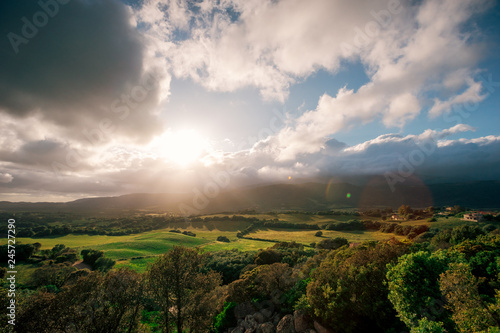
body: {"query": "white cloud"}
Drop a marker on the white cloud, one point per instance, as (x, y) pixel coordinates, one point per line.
(402, 109)
(415, 55)
(471, 96)
(410, 140)
(120, 170)
(269, 46)
(409, 50)
(407, 59)
(487, 140)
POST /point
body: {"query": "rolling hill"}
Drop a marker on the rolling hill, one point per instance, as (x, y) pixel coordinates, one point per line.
(310, 196)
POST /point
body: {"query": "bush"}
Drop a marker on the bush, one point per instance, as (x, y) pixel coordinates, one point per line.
(223, 239)
(267, 257)
(287, 245)
(350, 225)
(69, 255)
(424, 237)
(318, 234)
(189, 233)
(229, 263)
(90, 256)
(331, 244)
(489, 228)
(388, 227)
(103, 264)
(54, 274)
(23, 252)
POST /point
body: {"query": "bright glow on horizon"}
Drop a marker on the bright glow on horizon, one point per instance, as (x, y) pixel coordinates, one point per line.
(183, 147)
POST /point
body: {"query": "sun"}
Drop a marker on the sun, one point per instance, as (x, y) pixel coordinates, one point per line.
(182, 147)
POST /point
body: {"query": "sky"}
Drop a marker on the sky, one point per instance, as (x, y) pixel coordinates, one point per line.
(108, 97)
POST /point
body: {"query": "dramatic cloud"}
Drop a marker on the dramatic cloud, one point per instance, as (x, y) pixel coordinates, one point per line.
(265, 44)
(404, 62)
(77, 65)
(85, 92)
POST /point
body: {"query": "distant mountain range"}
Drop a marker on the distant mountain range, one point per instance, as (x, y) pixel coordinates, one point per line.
(312, 196)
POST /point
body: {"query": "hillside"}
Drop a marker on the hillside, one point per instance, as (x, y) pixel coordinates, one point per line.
(306, 196)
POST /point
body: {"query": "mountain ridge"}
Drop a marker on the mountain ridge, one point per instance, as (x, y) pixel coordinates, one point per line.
(308, 196)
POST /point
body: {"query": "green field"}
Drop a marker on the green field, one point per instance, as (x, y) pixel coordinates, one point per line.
(297, 217)
(138, 250)
(443, 223)
(307, 237)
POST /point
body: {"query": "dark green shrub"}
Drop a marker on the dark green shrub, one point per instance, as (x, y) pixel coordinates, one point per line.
(90, 256)
(103, 264)
(223, 239)
(331, 244)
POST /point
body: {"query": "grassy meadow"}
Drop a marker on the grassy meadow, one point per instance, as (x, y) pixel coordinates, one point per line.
(307, 237)
(138, 250)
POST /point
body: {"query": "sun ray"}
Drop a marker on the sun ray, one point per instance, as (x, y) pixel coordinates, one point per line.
(184, 147)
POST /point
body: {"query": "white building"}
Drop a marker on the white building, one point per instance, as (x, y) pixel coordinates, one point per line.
(473, 216)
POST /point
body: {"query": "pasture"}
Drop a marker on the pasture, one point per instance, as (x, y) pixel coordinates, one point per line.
(138, 250)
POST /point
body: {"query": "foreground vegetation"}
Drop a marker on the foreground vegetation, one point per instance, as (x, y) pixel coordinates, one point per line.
(264, 273)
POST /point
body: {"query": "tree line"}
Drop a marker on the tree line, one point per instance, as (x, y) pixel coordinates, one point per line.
(441, 281)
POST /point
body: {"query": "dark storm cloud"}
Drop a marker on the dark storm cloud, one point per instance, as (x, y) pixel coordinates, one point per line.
(67, 61)
(43, 153)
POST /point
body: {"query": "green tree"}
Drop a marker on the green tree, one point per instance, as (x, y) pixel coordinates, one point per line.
(405, 210)
(469, 311)
(182, 290)
(92, 303)
(348, 292)
(414, 289)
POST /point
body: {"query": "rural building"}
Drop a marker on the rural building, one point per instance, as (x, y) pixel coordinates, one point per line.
(397, 217)
(474, 216)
